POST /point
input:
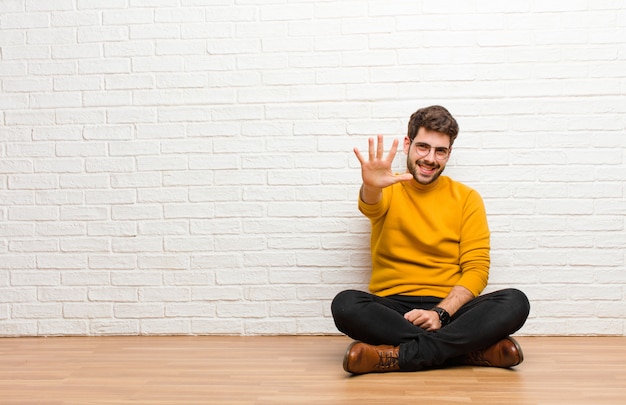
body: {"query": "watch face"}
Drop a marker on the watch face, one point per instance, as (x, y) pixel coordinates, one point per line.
(444, 317)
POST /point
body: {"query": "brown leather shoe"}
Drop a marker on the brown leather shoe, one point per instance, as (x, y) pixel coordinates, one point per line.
(505, 353)
(362, 358)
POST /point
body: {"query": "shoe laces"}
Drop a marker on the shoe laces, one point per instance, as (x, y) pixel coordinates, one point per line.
(387, 359)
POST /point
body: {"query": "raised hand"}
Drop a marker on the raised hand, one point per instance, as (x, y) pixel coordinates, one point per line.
(376, 170)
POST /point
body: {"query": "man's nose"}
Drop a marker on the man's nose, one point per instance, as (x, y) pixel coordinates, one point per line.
(430, 156)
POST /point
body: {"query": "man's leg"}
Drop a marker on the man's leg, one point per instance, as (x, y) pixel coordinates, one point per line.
(477, 325)
(378, 320)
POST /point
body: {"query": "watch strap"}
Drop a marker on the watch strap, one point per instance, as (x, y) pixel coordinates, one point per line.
(444, 316)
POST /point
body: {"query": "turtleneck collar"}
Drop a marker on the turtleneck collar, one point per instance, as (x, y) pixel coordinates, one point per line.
(424, 188)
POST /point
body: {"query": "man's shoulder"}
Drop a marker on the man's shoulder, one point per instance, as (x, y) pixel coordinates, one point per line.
(456, 183)
(458, 187)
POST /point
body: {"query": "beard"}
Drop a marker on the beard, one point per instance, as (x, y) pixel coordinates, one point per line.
(424, 172)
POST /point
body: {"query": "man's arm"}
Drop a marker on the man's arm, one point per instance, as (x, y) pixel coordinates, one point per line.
(458, 297)
(370, 195)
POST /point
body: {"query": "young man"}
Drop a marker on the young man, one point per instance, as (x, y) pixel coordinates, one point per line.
(430, 262)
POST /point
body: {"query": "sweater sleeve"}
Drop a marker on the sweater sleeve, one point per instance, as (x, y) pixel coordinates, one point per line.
(474, 257)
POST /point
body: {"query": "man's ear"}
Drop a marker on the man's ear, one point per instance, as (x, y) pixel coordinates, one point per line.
(407, 144)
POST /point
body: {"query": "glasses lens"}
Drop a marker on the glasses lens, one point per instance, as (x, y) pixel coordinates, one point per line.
(423, 149)
(441, 153)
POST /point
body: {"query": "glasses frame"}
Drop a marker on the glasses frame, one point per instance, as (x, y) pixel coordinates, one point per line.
(441, 152)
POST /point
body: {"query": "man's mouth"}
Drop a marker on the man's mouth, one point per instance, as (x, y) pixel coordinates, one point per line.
(426, 170)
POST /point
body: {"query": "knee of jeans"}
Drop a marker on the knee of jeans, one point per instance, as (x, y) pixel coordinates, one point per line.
(342, 304)
(519, 300)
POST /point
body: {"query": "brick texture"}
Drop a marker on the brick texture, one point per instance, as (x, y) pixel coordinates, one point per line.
(186, 167)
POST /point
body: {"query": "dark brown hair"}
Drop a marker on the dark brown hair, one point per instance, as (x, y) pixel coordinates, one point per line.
(434, 118)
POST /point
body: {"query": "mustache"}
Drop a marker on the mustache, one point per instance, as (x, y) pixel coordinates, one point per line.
(422, 162)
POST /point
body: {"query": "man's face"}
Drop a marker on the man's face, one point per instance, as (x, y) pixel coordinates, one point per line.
(427, 155)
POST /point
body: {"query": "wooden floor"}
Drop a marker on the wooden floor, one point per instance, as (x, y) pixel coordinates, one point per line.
(294, 370)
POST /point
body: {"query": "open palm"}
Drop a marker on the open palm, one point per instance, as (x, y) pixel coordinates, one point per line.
(376, 170)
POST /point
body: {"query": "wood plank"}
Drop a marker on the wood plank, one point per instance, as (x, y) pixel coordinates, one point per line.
(292, 370)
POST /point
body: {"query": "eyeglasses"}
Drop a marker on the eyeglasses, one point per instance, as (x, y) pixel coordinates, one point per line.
(423, 149)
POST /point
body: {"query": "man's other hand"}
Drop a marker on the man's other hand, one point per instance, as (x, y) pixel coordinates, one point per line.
(425, 319)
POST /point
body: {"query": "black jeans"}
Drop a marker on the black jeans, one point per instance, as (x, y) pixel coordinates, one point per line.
(476, 325)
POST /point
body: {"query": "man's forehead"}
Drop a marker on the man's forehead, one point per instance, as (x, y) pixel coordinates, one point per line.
(433, 138)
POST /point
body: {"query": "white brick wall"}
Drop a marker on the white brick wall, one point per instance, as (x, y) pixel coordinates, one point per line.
(185, 167)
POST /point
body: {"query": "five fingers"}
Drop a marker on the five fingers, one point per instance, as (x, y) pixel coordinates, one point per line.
(376, 153)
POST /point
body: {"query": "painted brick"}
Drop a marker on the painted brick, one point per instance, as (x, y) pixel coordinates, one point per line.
(265, 326)
(116, 327)
(217, 326)
(175, 167)
(165, 326)
(138, 311)
(62, 328)
(87, 310)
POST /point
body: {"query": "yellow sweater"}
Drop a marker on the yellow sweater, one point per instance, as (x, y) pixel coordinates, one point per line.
(428, 239)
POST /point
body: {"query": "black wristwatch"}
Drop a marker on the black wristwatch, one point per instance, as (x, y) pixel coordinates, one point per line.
(444, 316)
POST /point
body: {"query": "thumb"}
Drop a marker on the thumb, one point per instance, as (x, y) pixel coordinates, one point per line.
(404, 177)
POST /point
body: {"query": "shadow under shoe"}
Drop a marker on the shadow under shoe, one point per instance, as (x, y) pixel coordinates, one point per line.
(361, 358)
(505, 353)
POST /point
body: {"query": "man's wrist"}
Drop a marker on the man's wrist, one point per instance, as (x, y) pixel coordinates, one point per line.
(444, 316)
(370, 195)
